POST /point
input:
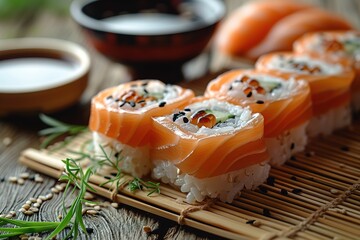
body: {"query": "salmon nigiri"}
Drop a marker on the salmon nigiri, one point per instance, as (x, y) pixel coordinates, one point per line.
(337, 45)
(285, 104)
(210, 148)
(329, 84)
(261, 27)
(121, 121)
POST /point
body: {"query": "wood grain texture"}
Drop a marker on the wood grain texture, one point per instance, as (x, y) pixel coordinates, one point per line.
(123, 223)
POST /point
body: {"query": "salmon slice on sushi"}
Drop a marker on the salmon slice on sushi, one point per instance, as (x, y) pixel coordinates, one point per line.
(335, 44)
(285, 104)
(121, 121)
(329, 82)
(210, 148)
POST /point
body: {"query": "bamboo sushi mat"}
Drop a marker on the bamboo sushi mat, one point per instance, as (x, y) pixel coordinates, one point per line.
(315, 195)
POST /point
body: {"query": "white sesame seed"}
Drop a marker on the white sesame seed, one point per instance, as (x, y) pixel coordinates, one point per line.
(54, 190)
(115, 205)
(39, 201)
(12, 213)
(59, 187)
(7, 141)
(90, 204)
(92, 212)
(25, 175)
(28, 202)
(2, 215)
(9, 216)
(88, 196)
(33, 200)
(22, 210)
(36, 205)
(26, 206)
(49, 196)
(256, 223)
(28, 213)
(34, 209)
(13, 179)
(38, 178)
(20, 181)
(43, 198)
(97, 208)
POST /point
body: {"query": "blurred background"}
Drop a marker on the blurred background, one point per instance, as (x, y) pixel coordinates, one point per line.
(51, 18)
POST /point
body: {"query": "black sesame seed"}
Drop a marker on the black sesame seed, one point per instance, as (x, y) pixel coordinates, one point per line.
(344, 148)
(185, 120)
(144, 84)
(107, 177)
(249, 94)
(116, 154)
(293, 178)
(230, 88)
(177, 115)
(122, 103)
(187, 109)
(162, 104)
(117, 100)
(263, 189)
(113, 174)
(32, 177)
(296, 191)
(250, 221)
(141, 101)
(132, 103)
(284, 192)
(266, 212)
(133, 85)
(146, 91)
(270, 181)
(109, 97)
(89, 230)
(260, 102)
(292, 146)
(2, 179)
(293, 158)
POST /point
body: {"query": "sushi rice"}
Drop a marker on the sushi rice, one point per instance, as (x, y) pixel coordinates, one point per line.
(330, 121)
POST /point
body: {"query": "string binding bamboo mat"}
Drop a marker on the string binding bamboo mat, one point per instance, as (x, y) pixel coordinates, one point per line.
(315, 195)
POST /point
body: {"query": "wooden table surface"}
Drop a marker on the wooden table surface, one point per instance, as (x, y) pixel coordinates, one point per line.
(122, 223)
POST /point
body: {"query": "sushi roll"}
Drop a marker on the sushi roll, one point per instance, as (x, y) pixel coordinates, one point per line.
(210, 148)
(285, 104)
(329, 82)
(335, 44)
(121, 121)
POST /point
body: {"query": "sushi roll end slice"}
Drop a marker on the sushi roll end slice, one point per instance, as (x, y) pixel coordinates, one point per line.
(121, 120)
(210, 149)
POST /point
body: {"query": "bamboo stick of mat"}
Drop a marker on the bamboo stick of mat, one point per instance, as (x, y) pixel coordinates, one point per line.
(204, 217)
(290, 213)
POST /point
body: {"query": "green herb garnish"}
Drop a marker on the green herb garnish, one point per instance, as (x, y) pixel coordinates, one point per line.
(74, 175)
(57, 130)
(138, 184)
(79, 178)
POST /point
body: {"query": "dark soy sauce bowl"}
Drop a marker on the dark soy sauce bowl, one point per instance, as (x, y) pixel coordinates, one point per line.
(154, 38)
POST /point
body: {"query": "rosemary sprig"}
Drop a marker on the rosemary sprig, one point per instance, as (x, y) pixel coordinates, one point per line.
(57, 129)
(74, 175)
(139, 184)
